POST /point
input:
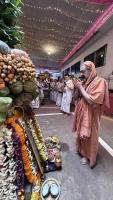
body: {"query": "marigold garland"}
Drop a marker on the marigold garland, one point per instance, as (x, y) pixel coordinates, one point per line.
(39, 140)
(35, 194)
(28, 171)
(31, 158)
(19, 164)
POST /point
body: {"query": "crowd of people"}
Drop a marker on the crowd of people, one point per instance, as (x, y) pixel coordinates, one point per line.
(61, 92)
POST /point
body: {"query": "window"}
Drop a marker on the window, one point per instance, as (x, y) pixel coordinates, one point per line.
(90, 57)
(100, 56)
(75, 68)
(66, 71)
(63, 73)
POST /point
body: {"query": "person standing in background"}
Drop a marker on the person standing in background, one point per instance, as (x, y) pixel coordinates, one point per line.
(55, 90)
(93, 95)
(36, 103)
(67, 95)
(60, 92)
(51, 89)
(41, 91)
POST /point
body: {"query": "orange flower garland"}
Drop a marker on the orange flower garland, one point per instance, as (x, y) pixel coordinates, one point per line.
(28, 171)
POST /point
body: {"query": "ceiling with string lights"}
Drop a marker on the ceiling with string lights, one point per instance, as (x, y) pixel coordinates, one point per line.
(53, 27)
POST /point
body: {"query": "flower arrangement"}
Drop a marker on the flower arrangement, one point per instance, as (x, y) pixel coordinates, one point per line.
(13, 121)
(36, 187)
(31, 158)
(22, 152)
(19, 164)
(38, 138)
(7, 165)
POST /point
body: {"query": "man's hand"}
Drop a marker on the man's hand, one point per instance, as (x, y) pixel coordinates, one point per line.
(77, 83)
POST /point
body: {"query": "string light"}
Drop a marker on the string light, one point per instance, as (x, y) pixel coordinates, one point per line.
(39, 46)
(45, 23)
(52, 20)
(46, 26)
(55, 36)
(63, 12)
(42, 58)
(30, 51)
(73, 2)
(61, 33)
(31, 35)
(30, 47)
(40, 42)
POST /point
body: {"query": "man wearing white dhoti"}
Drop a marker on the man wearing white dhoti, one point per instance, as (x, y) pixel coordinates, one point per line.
(67, 95)
(60, 93)
(52, 90)
(55, 91)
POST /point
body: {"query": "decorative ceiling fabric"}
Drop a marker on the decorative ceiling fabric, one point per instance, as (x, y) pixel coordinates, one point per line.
(53, 27)
(98, 1)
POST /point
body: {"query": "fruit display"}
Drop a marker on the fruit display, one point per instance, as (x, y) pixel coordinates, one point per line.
(16, 67)
(18, 74)
(5, 103)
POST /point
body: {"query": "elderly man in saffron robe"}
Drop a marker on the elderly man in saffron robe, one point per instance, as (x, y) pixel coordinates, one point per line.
(93, 94)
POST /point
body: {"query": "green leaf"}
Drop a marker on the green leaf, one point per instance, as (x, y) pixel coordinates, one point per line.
(9, 12)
